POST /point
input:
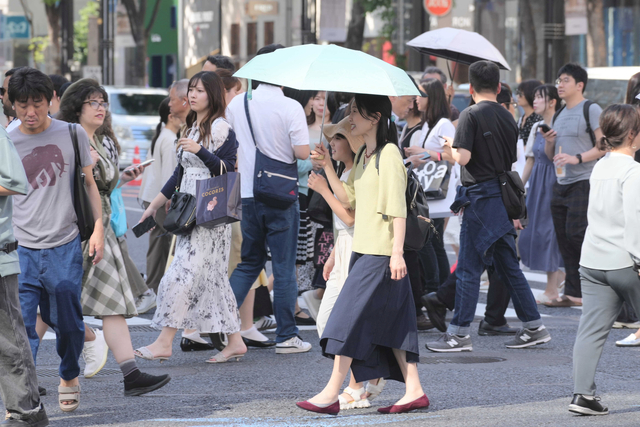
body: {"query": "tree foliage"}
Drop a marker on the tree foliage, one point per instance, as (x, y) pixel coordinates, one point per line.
(81, 31)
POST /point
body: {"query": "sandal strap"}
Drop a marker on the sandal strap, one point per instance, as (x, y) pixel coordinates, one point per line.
(356, 394)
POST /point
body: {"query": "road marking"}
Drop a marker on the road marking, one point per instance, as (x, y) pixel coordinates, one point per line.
(369, 419)
(92, 321)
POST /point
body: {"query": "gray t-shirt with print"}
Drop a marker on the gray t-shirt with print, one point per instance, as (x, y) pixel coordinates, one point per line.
(44, 218)
(573, 138)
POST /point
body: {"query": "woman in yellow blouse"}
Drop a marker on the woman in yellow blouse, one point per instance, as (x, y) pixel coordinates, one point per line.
(372, 327)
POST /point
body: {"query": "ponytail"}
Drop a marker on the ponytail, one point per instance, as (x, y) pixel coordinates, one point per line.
(164, 112)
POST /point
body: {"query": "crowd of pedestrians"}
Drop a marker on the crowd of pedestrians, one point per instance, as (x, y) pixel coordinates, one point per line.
(367, 294)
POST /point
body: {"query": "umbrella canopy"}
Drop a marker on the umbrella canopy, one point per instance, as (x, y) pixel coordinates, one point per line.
(461, 46)
(329, 68)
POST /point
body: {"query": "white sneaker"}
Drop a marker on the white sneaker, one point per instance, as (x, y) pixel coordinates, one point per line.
(292, 345)
(146, 302)
(265, 322)
(95, 354)
(312, 302)
(630, 341)
(626, 325)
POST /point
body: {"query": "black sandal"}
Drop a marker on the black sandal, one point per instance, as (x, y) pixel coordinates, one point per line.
(304, 321)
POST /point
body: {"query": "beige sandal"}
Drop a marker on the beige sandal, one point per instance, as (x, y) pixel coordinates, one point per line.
(221, 358)
(66, 394)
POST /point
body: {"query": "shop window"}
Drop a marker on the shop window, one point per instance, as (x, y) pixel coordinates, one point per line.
(174, 18)
(252, 38)
(268, 33)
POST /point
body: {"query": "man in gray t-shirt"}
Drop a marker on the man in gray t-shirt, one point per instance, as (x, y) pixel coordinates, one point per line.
(572, 139)
(44, 219)
(48, 159)
(570, 146)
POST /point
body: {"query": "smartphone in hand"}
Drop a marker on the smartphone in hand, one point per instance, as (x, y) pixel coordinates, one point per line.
(425, 156)
(144, 226)
(544, 127)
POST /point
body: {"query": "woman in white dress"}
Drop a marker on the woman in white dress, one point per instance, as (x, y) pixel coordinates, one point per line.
(194, 293)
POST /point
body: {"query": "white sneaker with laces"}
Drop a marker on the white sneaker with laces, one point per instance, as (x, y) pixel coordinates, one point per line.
(95, 354)
(146, 302)
(292, 345)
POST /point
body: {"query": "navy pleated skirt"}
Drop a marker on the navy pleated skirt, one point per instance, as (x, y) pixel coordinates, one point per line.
(372, 316)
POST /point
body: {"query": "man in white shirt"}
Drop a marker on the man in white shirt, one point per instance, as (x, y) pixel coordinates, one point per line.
(280, 128)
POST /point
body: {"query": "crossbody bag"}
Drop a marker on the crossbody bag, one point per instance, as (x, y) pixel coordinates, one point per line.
(275, 183)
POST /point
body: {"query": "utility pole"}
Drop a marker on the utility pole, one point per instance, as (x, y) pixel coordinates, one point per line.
(66, 26)
(554, 36)
(107, 30)
(419, 23)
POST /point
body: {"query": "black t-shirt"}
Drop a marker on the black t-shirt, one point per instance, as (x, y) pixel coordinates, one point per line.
(469, 136)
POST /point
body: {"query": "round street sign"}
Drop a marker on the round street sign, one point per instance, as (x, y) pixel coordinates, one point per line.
(438, 7)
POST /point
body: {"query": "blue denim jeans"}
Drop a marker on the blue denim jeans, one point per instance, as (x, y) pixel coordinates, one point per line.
(261, 226)
(487, 239)
(52, 278)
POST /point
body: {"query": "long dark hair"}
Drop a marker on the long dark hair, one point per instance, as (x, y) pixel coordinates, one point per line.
(527, 89)
(437, 106)
(633, 89)
(228, 80)
(215, 90)
(548, 92)
(73, 100)
(164, 112)
(302, 96)
(369, 107)
(617, 121)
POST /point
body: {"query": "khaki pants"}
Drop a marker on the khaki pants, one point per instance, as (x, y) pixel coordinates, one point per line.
(158, 251)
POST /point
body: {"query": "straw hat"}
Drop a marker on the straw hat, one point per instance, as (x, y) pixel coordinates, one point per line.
(343, 127)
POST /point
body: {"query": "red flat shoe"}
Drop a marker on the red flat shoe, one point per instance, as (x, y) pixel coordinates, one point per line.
(420, 403)
(331, 409)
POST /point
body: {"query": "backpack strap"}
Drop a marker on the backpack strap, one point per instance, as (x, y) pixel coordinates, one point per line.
(585, 112)
(556, 114)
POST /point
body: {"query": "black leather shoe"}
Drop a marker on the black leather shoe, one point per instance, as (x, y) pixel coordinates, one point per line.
(424, 324)
(39, 419)
(436, 310)
(253, 343)
(304, 321)
(189, 345)
(582, 406)
(487, 330)
(42, 391)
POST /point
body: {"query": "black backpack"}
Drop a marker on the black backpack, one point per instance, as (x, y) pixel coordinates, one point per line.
(418, 232)
(585, 112)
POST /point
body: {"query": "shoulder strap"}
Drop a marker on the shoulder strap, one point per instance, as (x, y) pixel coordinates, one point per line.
(73, 132)
(556, 114)
(585, 112)
(424, 141)
(488, 136)
(246, 110)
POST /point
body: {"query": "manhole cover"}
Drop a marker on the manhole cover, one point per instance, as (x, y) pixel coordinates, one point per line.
(434, 360)
(53, 372)
(142, 328)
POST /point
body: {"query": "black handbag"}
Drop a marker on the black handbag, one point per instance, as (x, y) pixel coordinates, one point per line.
(511, 185)
(275, 183)
(81, 201)
(181, 217)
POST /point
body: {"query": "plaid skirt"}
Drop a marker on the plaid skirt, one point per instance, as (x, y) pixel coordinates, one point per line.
(106, 289)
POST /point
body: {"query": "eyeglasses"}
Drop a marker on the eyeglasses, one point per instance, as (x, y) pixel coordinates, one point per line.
(97, 104)
(566, 80)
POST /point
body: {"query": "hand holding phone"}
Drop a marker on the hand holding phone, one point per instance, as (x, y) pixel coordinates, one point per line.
(425, 156)
(544, 127)
(144, 226)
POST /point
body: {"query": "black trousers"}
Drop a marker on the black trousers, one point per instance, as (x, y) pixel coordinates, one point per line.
(434, 260)
(569, 205)
(497, 298)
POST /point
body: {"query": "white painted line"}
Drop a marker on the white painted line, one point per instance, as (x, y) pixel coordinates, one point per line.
(133, 209)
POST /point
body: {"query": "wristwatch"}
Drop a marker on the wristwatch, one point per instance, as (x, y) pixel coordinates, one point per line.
(579, 156)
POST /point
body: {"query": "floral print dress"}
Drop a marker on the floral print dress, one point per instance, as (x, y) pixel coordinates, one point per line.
(195, 292)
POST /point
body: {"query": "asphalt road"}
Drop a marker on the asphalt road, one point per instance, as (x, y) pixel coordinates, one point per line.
(491, 386)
